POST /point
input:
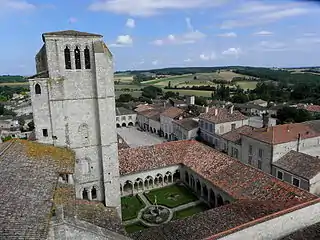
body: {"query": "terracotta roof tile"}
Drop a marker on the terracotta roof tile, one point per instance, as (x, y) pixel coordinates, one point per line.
(299, 164)
(238, 180)
(235, 135)
(187, 123)
(172, 112)
(223, 115)
(283, 133)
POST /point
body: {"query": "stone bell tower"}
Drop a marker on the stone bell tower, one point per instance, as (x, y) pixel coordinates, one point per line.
(73, 105)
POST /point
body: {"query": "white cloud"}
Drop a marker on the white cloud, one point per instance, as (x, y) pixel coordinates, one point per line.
(258, 13)
(228, 35)
(263, 33)
(232, 52)
(155, 62)
(123, 41)
(130, 23)
(191, 36)
(19, 5)
(151, 7)
(72, 20)
(207, 57)
(187, 60)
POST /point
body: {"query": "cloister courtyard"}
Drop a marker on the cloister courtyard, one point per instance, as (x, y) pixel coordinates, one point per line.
(158, 206)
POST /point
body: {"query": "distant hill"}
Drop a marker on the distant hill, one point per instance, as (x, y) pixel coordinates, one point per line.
(12, 79)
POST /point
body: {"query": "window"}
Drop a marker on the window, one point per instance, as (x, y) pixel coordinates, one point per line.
(225, 147)
(280, 175)
(77, 58)
(87, 58)
(206, 125)
(201, 124)
(250, 149)
(259, 164)
(260, 153)
(130, 117)
(117, 119)
(94, 193)
(37, 89)
(123, 118)
(250, 160)
(296, 182)
(45, 132)
(211, 128)
(67, 58)
(233, 126)
(234, 152)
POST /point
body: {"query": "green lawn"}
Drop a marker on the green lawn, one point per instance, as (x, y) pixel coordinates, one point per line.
(198, 93)
(190, 211)
(171, 196)
(130, 207)
(135, 227)
(247, 84)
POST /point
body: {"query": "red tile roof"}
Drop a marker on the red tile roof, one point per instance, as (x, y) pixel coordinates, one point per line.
(283, 133)
(313, 108)
(223, 115)
(235, 135)
(172, 112)
(187, 123)
(238, 180)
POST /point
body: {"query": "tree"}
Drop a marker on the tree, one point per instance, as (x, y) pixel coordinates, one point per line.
(169, 84)
(170, 94)
(125, 98)
(200, 101)
(151, 92)
(290, 114)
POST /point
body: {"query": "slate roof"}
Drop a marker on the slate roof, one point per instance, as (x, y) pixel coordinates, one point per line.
(284, 133)
(187, 123)
(71, 33)
(235, 135)
(123, 111)
(299, 164)
(223, 115)
(172, 112)
(237, 179)
(44, 74)
(27, 186)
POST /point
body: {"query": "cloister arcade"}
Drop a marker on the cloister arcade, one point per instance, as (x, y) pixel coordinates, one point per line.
(162, 177)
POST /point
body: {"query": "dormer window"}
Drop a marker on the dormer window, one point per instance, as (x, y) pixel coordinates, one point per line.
(37, 89)
(77, 58)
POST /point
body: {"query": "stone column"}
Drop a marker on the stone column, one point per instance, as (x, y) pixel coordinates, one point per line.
(89, 194)
(70, 179)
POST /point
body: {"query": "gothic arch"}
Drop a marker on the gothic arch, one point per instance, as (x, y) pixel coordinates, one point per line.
(138, 184)
(219, 200)
(67, 57)
(212, 198)
(37, 89)
(94, 192)
(205, 192)
(77, 57)
(148, 182)
(84, 194)
(176, 175)
(87, 58)
(128, 187)
(186, 177)
(198, 186)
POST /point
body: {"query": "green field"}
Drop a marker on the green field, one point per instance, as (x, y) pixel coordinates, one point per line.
(14, 84)
(130, 207)
(171, 196)
(197, 93)
(135, 227)
(247, 84)
(190, 211)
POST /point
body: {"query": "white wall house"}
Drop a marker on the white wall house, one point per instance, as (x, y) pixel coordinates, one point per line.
(125, 117)
(218, 121)
(299, 169)
(185, 129)
(262, 147)
(166, 119)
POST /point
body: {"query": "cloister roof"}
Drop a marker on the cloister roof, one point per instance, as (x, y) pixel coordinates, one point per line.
(235, 178)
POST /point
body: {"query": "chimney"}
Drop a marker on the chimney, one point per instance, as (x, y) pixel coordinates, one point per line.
(231, 109)
(216, 111)
(207, 109)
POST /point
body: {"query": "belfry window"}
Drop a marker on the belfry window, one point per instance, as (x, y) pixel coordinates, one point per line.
(67, 58)
(77, 58)
(37, 89)
(87, 58)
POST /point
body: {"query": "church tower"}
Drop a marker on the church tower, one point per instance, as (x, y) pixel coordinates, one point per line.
(73, 105)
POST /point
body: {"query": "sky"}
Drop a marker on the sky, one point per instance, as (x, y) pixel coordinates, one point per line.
(146, 34)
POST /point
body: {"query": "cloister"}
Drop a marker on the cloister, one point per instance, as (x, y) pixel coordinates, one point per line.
(158, 178)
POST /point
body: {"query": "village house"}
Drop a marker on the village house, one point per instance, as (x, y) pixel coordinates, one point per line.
(185, 129)
(259, 102)
(125, 117)
(166, 119)
(299, 169)
(251, 109)
(262, 147)
(218, 121)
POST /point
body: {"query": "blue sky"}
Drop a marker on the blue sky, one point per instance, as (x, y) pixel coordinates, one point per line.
(144, 34)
